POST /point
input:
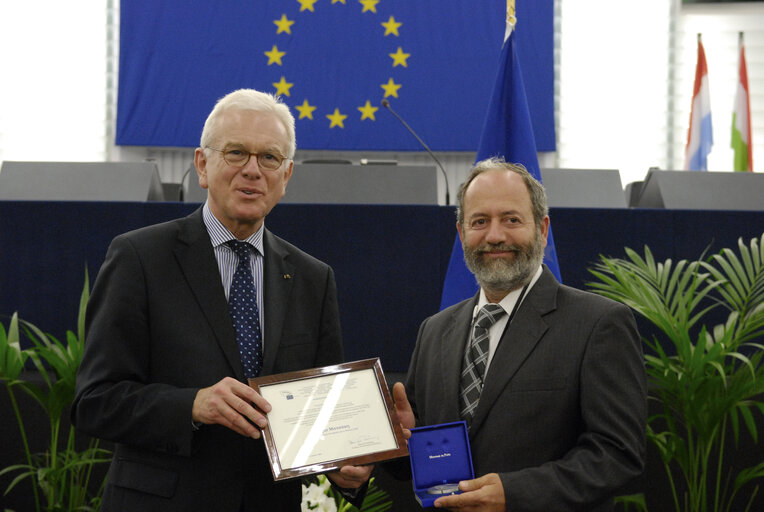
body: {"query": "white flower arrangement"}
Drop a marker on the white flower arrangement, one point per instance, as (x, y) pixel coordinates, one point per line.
(319, 497)
(316, 498)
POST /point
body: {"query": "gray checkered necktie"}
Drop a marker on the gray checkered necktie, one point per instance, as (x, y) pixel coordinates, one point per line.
(476, 360)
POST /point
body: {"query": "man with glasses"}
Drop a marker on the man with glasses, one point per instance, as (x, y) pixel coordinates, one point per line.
(182, 313)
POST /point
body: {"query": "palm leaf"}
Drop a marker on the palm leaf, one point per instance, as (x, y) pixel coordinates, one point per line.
(12, 358)
(712, 386)
(61, 473)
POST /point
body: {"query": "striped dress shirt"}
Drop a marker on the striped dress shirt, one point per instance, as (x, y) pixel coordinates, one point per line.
(227, 259)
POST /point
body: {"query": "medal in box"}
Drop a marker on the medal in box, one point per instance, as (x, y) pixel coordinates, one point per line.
(440, 458)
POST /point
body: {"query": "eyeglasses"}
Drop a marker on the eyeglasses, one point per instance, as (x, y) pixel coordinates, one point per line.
(238, 157)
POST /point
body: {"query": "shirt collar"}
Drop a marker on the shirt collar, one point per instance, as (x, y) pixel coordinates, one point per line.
(219, 234)
(508, 302)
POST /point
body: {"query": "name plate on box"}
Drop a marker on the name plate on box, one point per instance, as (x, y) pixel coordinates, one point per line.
(440, 458)
(325, 418)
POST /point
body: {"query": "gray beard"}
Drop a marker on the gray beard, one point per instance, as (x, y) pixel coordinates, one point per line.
(501, 275)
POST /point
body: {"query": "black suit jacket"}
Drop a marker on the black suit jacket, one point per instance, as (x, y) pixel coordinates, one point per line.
(158, 331)
(562, 414)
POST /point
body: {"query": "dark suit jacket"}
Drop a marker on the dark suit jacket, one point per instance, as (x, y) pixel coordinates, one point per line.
(562, 414)
(158, 331)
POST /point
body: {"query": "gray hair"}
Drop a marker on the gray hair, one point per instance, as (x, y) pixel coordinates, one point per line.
(535, 188)
(250, 99)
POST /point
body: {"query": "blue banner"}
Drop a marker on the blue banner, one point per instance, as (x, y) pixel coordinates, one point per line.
(507, 134)
(332, 61)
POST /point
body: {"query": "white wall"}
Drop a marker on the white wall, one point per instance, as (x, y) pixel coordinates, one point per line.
(626, 79)
(612, 80)
(53, 85)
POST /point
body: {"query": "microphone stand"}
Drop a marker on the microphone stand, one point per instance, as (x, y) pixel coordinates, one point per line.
(386, 104)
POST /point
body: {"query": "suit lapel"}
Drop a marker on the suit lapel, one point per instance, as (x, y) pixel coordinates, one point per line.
(453, 345)
(197, 261)
(278, 276)
(517, 343)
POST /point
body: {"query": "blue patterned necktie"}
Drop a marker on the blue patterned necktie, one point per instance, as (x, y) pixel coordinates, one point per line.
(476, 360)
(242, 304)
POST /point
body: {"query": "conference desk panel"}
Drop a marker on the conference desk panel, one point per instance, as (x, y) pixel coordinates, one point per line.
(389, 260)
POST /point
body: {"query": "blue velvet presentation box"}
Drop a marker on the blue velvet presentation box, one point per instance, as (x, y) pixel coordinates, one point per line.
(440, 457)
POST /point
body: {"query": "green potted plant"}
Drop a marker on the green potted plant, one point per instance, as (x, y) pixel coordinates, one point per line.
(61, 475)
(707, 381)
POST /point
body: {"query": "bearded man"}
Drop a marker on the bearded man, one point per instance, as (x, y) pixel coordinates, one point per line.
(549, 379)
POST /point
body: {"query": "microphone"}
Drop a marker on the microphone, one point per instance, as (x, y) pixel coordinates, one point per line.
(386, 104)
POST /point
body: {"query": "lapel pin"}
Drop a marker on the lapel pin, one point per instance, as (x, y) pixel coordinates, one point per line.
(287, 276)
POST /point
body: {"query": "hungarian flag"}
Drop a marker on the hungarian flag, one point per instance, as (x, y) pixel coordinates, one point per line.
(699, 137)
(741, 119)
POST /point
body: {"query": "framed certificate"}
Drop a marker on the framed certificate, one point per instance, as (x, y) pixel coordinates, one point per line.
(325, 418)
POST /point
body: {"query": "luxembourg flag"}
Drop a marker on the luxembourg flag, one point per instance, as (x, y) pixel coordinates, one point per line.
(741, 119)
(699, 137)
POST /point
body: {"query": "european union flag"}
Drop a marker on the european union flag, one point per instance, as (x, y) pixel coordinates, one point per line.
(332, 61)
(506, 133)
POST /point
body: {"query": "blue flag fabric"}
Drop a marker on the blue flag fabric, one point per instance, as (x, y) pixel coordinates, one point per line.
(332, 63)
(506, 133)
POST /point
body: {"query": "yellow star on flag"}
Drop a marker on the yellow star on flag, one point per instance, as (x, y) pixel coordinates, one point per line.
(307, 5)
(336, 119)
(274, 55)
(306, 110)
(338, 1)
(369, 5)
(282, 86)
(390, 88)
(284, 24)
(399, 57)
(391, 26)
(367, 111)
